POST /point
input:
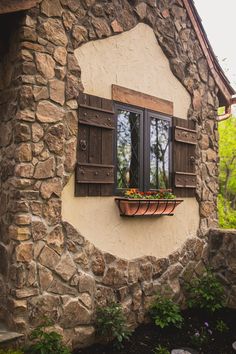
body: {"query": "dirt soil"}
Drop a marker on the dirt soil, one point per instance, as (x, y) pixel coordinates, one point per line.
(147, 337)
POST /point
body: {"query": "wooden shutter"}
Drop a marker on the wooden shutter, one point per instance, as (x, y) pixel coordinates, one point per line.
(184, 154)
(95, 166)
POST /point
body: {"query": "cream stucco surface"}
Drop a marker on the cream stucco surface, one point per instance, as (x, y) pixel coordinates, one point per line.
(98, 219)
(133, 60)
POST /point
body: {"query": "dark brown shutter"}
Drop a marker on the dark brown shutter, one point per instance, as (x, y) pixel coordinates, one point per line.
(184, 154)
(95, 166)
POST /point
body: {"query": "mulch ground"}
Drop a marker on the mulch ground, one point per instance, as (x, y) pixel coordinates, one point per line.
(147, 337)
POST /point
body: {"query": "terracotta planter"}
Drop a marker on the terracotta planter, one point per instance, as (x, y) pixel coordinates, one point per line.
(145, 207)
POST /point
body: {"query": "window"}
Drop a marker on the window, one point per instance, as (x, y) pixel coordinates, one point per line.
(120, 146)
(142, 149)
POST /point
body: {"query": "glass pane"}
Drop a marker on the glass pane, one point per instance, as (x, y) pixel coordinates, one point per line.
(159, 153)
(128, 134)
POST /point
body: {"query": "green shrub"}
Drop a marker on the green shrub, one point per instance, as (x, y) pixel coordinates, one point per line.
(161, 350)
(111, 324)
(11, 351)
(165, 312)
(227, 215)
(221, 326)
(201, 336)
(46, 342)
(205, 293)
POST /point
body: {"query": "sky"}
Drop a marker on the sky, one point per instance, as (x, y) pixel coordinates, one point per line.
(218, 19)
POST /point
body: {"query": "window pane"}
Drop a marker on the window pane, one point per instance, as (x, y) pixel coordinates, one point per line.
(128, 138)
(159, 153)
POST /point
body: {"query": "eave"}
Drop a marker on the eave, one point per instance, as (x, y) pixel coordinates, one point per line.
(9, 6)
(220, 78)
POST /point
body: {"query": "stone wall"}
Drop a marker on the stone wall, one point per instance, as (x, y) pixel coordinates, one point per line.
(53, 270)
(10, 135)
(75, 278)
(222, 259)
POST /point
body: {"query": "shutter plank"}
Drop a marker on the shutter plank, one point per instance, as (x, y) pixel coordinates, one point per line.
(94, 157)
(107, 158)
(95, 101)
(185, 135)
(107, 147)
(107, 105)
(184, 144)
(82, 157)
(93, 117)
(95, 174)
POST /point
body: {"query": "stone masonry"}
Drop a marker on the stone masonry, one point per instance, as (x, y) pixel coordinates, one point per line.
(222, 259)
(46, 267)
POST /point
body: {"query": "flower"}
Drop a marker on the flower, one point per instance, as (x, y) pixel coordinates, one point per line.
(134, 193)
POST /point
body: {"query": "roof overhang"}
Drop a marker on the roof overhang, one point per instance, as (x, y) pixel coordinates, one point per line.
(9, 6)
(217, 72)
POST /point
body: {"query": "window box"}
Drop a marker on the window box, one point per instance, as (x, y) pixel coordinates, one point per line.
(146, 207)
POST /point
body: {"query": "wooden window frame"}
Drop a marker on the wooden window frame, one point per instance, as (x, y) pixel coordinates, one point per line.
(148, 115)
(144, 146)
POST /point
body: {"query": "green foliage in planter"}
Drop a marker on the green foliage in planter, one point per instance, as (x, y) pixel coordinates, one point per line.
(11, 351)
(134, 193)
(165, 312)
(111, 324)
(161, 350)
(46, 342)
(205, 293)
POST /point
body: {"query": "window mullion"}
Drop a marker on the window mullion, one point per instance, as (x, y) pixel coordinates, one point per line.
(141, 150)
(146, 151)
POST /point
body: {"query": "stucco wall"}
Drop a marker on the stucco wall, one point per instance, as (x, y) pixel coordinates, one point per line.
(133, 60)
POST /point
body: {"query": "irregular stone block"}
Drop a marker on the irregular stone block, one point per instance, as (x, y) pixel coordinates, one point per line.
(55, 239)
(49, 258)
(45, 169)
(53, 31)
(66, 267)
(48, 112)
(74, 314)
(51, 8)
(39, 230)
(45, 65)
(24, 252)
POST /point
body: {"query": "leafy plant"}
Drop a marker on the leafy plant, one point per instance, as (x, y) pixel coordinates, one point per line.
(160, 194)
(227, 177)
(46, 342)
(161, 350)
(227, 215)
(165, 312)
(111, 324)
(205, 293)
(11, 351)
(221, 326)
(201, 336)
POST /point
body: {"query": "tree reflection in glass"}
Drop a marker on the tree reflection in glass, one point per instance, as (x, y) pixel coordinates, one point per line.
(159, 153)
(128, 131)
